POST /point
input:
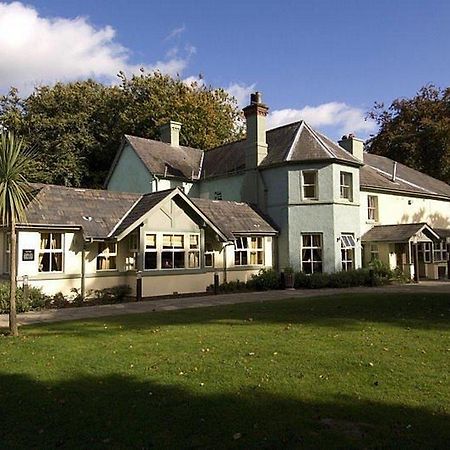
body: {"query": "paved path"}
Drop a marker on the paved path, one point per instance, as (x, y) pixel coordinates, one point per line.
(169, 304)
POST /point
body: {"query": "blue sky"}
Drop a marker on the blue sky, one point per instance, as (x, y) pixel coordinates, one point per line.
(325, 60)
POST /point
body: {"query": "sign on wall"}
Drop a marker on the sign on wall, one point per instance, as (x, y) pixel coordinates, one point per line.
(28, 255)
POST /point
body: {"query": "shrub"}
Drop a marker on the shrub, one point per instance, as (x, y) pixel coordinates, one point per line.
(36, 299)
(115, 294)
(381, 269)
(265, 280)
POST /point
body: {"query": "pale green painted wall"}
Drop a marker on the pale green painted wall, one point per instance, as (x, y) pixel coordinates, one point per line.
(130, 174)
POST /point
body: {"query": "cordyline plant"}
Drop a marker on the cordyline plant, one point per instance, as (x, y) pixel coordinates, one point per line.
(15, 194)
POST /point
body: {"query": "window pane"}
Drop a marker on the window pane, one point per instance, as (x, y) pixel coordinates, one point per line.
(150, 241)
(193, 241)
(101, 263)
(244, 258)
(56, 241)
(44, 262)
(309, 191)
(178, 260)
(253, 259)
(150, 260)
(45, 241)
(260, 242)
(178, 241)
(253, 243)
(209, 260)
(309, 177)
(166, 260)
(316, 240)
(306, 240)
(193, 260)
(260, 257)
(167, 241)
(112, 262)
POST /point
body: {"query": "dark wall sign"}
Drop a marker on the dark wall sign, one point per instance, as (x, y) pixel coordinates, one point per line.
(28, 255)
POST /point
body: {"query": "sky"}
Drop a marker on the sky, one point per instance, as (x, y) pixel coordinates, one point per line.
(324, 61)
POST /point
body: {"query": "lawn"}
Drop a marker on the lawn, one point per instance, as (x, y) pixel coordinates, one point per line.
(360, 371)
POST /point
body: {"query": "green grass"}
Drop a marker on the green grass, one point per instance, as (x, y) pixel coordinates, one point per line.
(361, 371)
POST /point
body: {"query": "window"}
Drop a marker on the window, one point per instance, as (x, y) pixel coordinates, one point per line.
(311, 253)
(194, 251)
(310, 184)
(150, 253)
(440, 251)
(425, 252)
(209, 254)
(172, 255)
(51, 253)
(240, 251)
(107, 256)
(256, 251)
(249, 251)
(372, 207)
(347, 185)
(374, 252)
(348, 251)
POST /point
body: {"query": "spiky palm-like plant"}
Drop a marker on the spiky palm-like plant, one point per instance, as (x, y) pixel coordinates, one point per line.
(14, 197)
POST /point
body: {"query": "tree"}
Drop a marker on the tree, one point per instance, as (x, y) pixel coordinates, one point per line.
(416, 131)
(77, 127)
(14, 197)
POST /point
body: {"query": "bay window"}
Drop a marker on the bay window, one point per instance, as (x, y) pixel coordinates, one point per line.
(51, 252)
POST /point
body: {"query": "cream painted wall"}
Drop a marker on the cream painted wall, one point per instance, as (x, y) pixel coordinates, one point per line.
(397, 209)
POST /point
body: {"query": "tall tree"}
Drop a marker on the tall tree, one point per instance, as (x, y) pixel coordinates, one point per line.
(416, 131)
(77, 127)
(14, 197)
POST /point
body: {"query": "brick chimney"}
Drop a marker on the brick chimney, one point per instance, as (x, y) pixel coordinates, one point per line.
(353, 145)
(255, 116)
(170, 133)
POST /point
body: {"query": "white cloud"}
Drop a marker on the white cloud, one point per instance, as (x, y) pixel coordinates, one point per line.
(241, 92)
(341, 117)
(175, 32)
(36, 49)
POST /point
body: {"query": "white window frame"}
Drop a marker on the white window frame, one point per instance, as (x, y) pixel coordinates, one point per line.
(372, 208)
(427, 252)
(209, 253)
(133, 251)
(346, 186)
(190, 250)
(248, 247)
(440, 253)
(194, 251)
(348, 251)
(306, 185)
(308, 250)
(51, 251)
(107, 255)
(150, 249)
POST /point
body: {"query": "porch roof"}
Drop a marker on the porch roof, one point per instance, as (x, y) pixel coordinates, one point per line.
(397, 233)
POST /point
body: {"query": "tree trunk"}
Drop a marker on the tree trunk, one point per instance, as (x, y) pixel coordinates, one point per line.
(13, 281)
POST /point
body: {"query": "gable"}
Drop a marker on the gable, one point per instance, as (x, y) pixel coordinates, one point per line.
(129, 163)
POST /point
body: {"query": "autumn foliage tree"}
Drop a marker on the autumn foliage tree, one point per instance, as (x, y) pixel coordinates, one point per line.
(416, 131)
(76, 128)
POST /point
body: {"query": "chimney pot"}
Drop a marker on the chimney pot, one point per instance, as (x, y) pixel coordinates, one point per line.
(353, 145)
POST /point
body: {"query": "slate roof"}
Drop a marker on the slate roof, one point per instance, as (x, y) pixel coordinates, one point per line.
(234, 218)
(161, 158)
(97, 212)
(377, 173)
(296, 142)
(393, 233)
(105, 214)
(443, 232)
